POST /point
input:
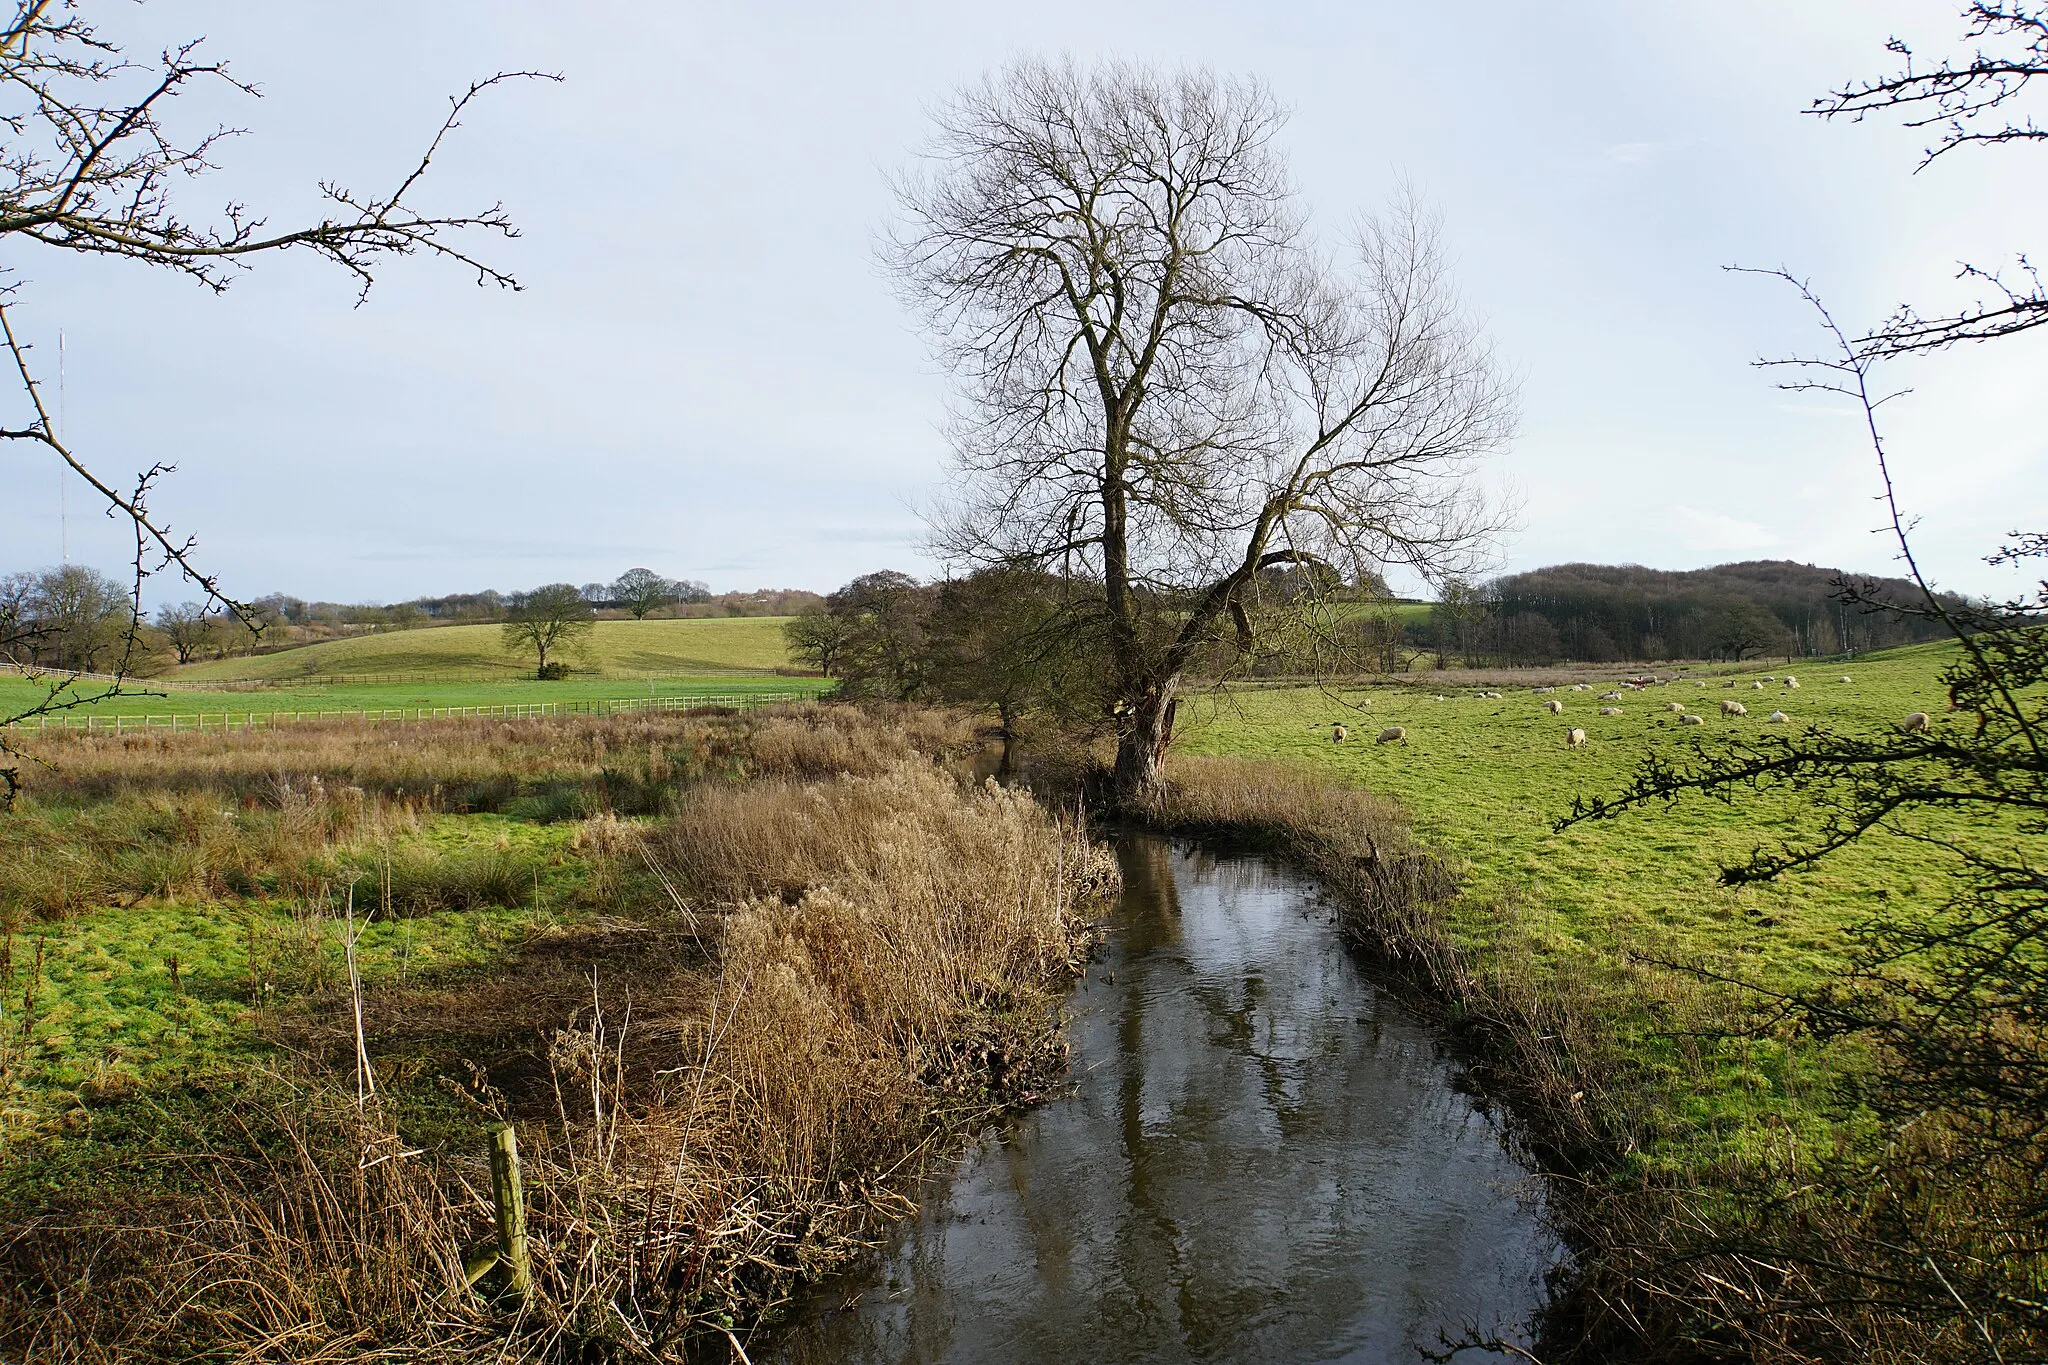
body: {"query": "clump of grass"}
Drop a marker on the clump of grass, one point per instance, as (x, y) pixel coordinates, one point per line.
(886, 953)
(629, 764)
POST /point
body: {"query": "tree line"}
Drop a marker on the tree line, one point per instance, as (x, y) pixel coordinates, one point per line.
(1601, 613)
(76, 618)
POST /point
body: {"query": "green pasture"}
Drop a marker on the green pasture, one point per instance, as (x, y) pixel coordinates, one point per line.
(738, 645)
(1488, 779)
(139, 698)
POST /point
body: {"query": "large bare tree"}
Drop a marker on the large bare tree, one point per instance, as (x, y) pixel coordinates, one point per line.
(1166, 386)
(92, 163)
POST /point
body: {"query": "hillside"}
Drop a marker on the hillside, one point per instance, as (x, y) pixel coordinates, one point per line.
(732, 646)
(1601, 613)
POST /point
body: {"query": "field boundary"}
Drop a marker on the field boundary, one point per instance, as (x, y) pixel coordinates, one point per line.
(230, 722)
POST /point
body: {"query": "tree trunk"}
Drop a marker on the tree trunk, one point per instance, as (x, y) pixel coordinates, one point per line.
(1141, 746)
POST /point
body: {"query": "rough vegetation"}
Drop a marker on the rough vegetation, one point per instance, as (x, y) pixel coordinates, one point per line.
(1630, 1002)
(732, 978)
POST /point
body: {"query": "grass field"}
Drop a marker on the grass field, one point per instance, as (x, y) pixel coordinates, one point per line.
(139, 700)
(1487, 780)
(715, 646)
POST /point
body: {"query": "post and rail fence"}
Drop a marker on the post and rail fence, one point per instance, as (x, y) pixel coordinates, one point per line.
(247, 721)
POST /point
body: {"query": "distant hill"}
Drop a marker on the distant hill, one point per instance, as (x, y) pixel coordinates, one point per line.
(1610, 613)
(728, 646)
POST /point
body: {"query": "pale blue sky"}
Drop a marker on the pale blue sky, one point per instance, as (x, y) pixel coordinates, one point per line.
(707, 374)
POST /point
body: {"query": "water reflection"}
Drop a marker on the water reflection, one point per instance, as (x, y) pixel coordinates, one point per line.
(1262, 1158)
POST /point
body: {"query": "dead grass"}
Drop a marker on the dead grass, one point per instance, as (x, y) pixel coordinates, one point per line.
(625, 764)
(879, 959)
(289, 812)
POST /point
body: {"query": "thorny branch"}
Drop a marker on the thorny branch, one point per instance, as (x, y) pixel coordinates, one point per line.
(89, 164)
(1971, 101)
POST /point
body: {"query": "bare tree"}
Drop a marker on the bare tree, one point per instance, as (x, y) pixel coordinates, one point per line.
(1972, 101)
(90, 163)
(188, 626)
(1166, 388)
(547, 621)
(819, 638)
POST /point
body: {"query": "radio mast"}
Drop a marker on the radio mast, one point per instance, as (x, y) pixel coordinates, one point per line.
(63, 483)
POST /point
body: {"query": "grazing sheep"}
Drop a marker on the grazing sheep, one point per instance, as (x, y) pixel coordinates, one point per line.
(1610, 696)
(1540, 691)
(1338, 734)
(1676, 708)
(1777, 718)
(1916, 723)
(1758, 686)
(1393, 734)
(1574, 738)
(1699, 682)
(1845, 678)
(1770, 677)
(1690, 719)
(1582, 687)
(1734, 708)
(1729, 683)
(1791, 682)
(1554, 707)
(1610, 710)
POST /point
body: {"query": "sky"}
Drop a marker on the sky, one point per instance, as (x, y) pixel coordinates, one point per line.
(707, 373)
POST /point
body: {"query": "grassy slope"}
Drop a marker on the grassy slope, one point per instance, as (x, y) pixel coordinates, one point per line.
(1487, 780)
(727, 645)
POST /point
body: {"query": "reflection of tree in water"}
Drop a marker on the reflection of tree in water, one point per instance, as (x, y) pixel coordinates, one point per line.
(1259, 1159)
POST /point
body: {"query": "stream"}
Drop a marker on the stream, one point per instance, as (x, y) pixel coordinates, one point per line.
(1261, 1157)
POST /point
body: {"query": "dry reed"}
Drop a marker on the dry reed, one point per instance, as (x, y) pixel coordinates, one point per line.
(887, 952)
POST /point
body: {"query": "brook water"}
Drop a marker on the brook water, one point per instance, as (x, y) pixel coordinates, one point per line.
(1262, 1158)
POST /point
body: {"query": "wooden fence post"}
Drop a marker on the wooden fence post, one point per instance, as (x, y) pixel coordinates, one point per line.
(511, 1202)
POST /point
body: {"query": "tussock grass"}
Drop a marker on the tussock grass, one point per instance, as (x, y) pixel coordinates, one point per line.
(874, 958)
(621, 763)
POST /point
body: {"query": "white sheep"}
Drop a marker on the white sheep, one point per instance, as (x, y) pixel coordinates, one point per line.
(1916, 723)
(1770, 677)
(1690, 719)
(1791, 683)
(1338, 734)
(1758, 685)
(1554, 707)
(1699, 682)
(1582, 687)
(1610, 696)
(1729, 683)
(1393, 734)
(1734, 708)
(1845, 678)
(1610, 710)
(1778, 718)
(1574, 738)
(1541, 691)
(1676, 708)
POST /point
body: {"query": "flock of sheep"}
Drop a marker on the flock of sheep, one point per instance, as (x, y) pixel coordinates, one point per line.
(1575, 737)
